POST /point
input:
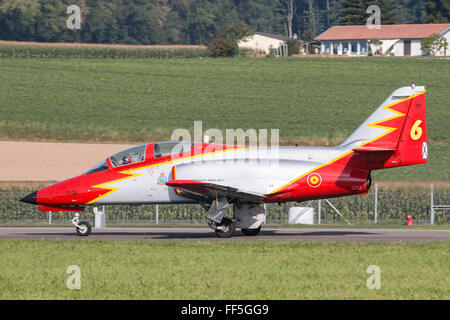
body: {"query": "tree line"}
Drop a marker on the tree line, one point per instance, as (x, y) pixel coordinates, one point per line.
(197, 21)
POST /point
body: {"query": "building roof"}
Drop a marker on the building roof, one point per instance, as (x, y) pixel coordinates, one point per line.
(394, 31)
(274, 36)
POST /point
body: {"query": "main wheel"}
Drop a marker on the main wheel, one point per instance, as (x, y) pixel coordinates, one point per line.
(225, 229)
(251, 232)
(84, 229)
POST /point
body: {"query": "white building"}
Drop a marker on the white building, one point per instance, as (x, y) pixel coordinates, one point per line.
(262, 42)
(397, 39)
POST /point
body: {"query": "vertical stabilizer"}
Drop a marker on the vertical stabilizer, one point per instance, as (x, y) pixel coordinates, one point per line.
(398, 124)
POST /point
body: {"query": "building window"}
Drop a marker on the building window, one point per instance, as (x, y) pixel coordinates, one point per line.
(345, 47)
(335, 47)
(354, 47)
(363, 46)
(327, 47)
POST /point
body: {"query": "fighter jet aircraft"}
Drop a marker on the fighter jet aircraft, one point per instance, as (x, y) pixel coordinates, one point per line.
(218, 176)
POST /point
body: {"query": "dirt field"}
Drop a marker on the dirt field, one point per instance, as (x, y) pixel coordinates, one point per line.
(43, 161)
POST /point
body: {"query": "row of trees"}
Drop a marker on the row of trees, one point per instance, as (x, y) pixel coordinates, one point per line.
(194, 21)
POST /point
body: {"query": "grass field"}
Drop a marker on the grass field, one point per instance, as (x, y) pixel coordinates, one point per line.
(194, 270)
(313, 101)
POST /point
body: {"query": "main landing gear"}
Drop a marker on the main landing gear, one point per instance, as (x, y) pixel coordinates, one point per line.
(224, 229)
(246, 216)
(83, 228)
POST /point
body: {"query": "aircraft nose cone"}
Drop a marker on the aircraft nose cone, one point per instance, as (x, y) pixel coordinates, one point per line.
(31, 198)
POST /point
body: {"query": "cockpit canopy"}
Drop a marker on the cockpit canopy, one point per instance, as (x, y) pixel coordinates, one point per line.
(164, 149)
(139, 154)
(131, 155)
(102, 166)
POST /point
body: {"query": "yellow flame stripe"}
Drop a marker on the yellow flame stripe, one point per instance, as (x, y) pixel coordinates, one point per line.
(111, 189)
(374, 124)
(133, 174)
(174, 177)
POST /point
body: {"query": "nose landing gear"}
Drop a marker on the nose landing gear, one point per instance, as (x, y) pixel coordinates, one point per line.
(83, 228)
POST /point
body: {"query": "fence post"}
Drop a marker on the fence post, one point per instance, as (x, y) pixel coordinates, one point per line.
(265, 213)
(376, 204)
(319, 212)
(432, 203)
(49, 217)
(157, 214)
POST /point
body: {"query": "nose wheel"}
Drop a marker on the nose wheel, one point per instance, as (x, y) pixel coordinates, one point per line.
(83, 228)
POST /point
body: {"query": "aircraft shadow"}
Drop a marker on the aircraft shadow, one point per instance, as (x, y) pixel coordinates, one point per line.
(175, 235)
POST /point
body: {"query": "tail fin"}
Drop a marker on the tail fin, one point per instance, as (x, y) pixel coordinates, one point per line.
(397, 125)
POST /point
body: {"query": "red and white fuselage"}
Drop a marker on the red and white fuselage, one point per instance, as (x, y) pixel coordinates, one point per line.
(170, 172)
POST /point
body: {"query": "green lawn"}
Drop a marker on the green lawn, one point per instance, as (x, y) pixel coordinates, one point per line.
(311, 100)
(223, 270)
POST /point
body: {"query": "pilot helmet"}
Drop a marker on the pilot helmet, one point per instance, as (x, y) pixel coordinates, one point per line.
(126, 160)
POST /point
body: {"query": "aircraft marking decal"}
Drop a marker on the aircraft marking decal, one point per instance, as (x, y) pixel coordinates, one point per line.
(314, 180)
(416, 130)
(424, 150)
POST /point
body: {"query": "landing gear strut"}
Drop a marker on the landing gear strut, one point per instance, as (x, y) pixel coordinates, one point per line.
(223, 227)
(83, 228)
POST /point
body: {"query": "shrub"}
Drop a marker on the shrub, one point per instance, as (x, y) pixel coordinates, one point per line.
(293, 46)
(377, 43)
(221, 47)
(433, 44)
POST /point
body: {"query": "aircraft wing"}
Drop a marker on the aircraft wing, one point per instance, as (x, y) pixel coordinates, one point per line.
(211, 191)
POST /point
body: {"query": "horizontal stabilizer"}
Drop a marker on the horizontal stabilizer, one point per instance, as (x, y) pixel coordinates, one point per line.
(372, 149)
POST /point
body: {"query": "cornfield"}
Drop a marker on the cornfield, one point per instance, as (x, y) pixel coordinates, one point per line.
(114, 52)
(393, 206)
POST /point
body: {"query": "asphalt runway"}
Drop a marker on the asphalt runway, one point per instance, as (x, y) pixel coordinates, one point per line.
(206, 234)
